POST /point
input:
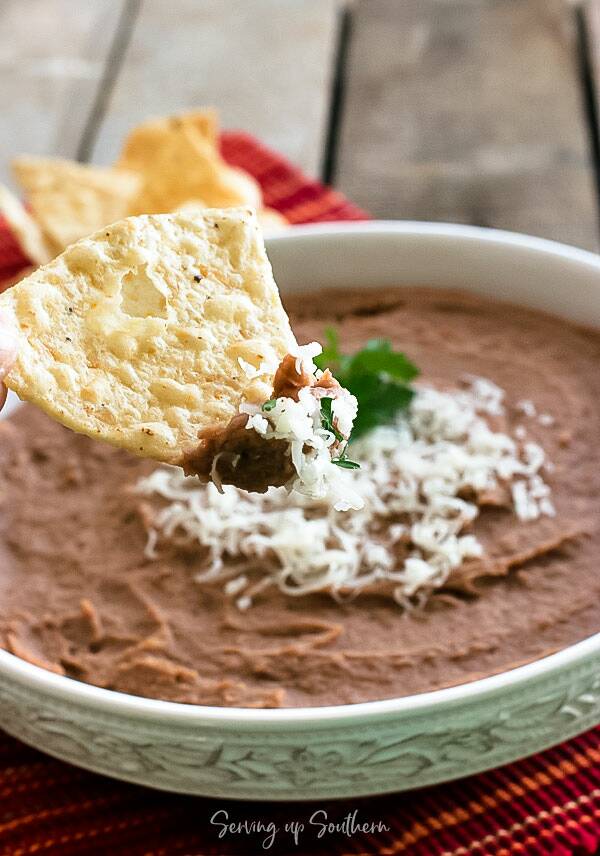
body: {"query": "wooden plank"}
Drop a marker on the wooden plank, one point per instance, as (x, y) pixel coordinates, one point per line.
(591, 22)
(52, 58)
(266, 65)
(469, 111)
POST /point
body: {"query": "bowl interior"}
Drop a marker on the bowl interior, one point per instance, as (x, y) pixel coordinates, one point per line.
(529, 271)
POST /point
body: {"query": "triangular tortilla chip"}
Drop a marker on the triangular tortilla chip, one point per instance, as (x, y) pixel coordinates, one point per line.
(145, 333)
(270, 220)
(206, 123)
(71, 200)
(192, 207)
(17, 277)
(179, 163)
(24, 228)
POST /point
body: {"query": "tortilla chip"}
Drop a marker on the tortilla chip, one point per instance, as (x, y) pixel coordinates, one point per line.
(272, 221)
(192, 207)
(24, 228)
(179, 163)
(206, 123)
(135, 335)
(15, 278)
(71, 200)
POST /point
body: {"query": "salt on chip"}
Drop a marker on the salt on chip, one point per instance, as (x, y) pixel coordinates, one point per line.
(71, 200)
(179, 162)
(142, 334)
(24, 228)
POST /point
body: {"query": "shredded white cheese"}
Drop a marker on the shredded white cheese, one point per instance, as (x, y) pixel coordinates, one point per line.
(528, 409)
(300, 424)
(546, 419)
(411, 531)
(305, 355)
(267, 367)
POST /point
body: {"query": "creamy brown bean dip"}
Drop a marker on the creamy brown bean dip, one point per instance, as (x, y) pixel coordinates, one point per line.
(78, 596)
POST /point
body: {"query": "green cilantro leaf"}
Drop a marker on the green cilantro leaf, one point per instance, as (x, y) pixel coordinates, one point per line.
(327, 418)
(378, 356)
(269, 405)
(377, 375)
(344, 461)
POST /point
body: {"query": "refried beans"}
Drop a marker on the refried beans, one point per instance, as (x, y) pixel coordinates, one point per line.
(236, 456)
(78, 596)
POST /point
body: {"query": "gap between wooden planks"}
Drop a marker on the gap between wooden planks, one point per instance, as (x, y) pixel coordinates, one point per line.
(267, 65)
(78, 75)
(470, 111)
(52, 58)
(463, 110)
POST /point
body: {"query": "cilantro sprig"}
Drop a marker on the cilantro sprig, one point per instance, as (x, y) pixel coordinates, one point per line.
(327, 418)
(327, 423)
(377, 375)
(344, 461)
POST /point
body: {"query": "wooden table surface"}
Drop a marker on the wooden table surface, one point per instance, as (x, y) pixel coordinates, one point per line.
(472, 111)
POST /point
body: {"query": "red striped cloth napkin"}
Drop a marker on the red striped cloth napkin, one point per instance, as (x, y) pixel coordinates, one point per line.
(548, 804)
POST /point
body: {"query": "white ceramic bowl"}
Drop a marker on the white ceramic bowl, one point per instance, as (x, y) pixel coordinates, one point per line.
(365, 748)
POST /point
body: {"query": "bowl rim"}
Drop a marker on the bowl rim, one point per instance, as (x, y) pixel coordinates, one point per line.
(421, 228)
(116, 702)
